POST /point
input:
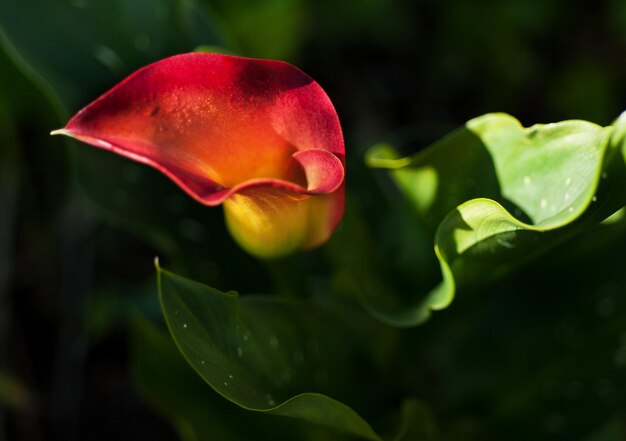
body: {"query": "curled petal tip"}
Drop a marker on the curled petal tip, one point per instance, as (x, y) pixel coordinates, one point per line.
(324, 171)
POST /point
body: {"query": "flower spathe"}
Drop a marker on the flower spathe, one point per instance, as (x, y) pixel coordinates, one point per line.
(259, 136)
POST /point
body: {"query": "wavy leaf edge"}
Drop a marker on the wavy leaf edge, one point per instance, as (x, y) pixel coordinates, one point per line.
(384, 156)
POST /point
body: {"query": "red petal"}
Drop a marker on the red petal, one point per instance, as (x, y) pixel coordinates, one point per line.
(259, 135)
(212, 122)
(323, 170)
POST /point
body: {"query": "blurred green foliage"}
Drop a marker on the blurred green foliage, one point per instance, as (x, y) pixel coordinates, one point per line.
(539, 354)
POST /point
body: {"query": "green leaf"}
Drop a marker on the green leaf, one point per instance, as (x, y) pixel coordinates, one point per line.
(493, 195)
(172, 387)
(545, 346)
(264, 354)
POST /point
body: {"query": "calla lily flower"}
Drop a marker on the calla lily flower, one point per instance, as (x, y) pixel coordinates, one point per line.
(258, 136)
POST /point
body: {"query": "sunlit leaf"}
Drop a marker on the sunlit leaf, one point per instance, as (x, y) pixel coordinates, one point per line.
(493, 195)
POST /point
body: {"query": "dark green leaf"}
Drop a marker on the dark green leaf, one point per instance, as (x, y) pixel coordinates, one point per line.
(264, 354)
(177, 392)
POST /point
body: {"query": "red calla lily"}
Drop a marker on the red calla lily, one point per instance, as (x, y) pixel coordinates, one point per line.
(259, 136)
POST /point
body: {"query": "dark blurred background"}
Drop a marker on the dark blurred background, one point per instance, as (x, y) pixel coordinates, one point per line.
(78, 231)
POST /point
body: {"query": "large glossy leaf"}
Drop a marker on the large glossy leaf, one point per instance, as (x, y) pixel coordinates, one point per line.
(263, 353)
(493, 195)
